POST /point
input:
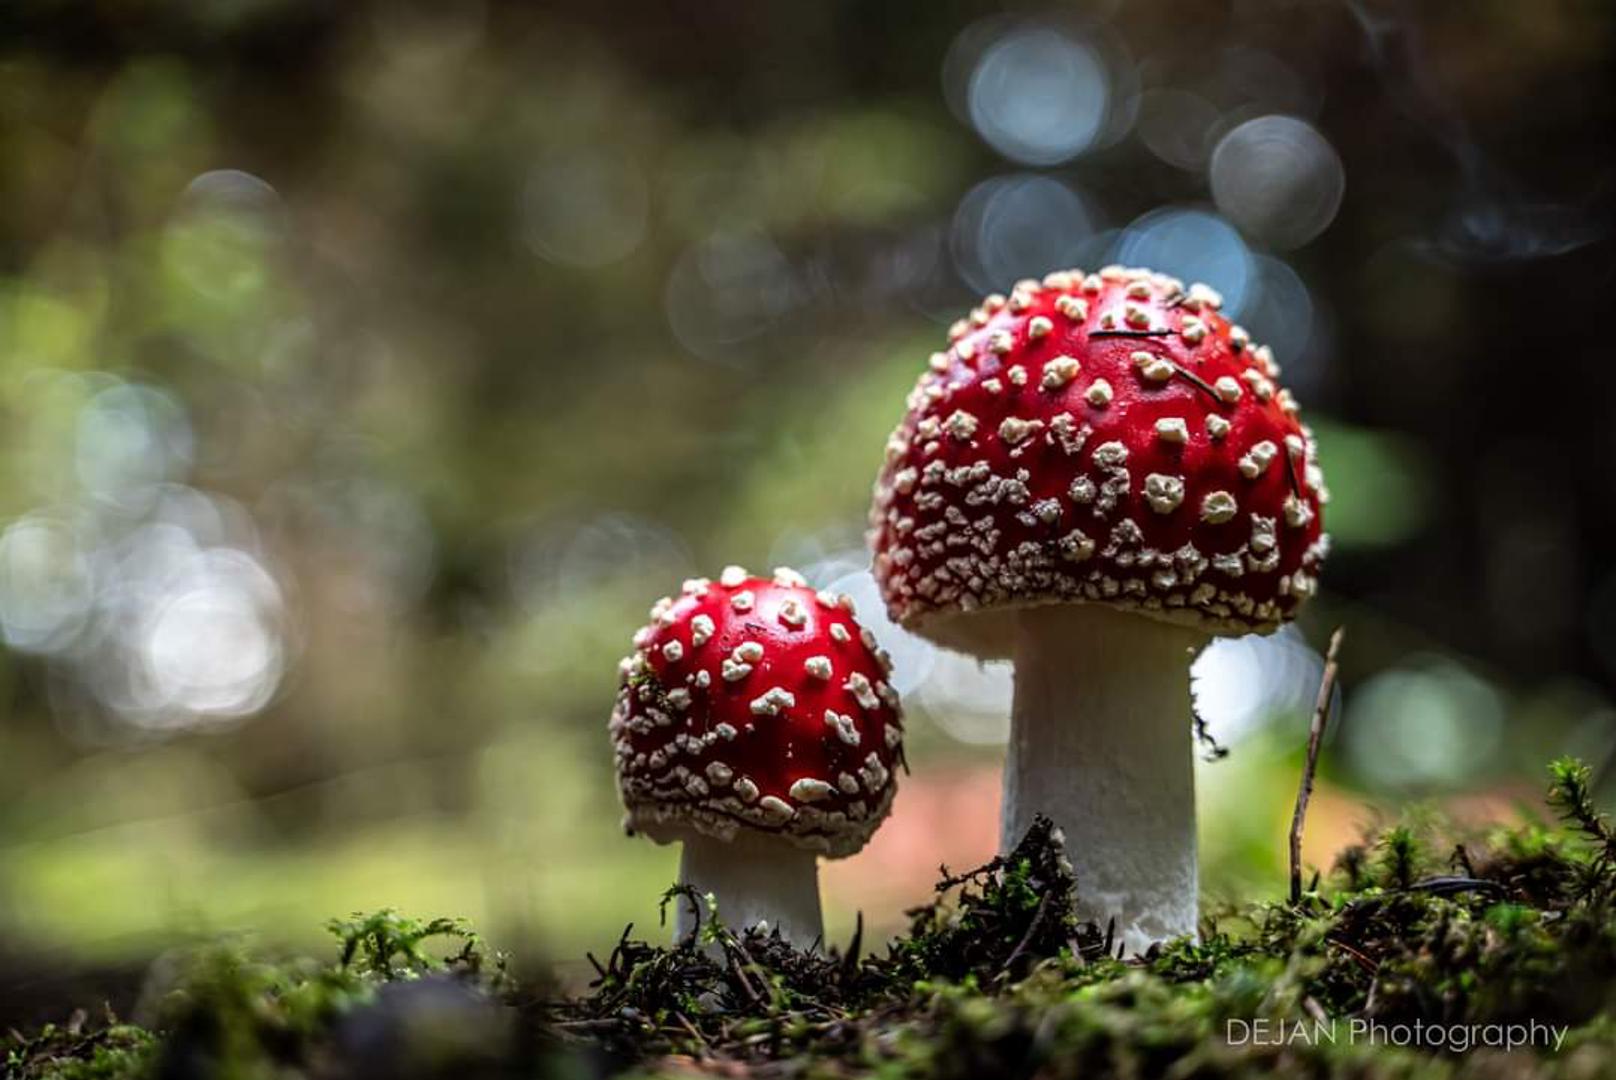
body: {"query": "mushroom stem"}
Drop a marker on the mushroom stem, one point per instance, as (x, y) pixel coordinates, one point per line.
(1100, 742)
(755, 879)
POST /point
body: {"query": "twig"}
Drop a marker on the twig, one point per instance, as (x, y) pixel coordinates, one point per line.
(741, 977)
(1196, 381)
(1026, 939)
(1290, 472)
(850, 961)
(688, 1026)
(734, 947)
(1129, 333)
(1362, 960)
(1447, 886)
(1461, 859)
(588, 1024)
(1315, 733)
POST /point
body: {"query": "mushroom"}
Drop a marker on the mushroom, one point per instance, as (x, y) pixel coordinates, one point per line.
(1097, 475)
(754, 725)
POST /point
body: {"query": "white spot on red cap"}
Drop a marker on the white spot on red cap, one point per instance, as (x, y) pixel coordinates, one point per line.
(773, 702)
(1013, 429)
(858, 684)
(1060, 371)
(844, 726)
(1164, 492)
(1111, 454)
(1256, 460)
(1172, 429)
(1218, 507)
(792, 614)
(776, 810)
(1074, 308)
(811, 790)
(961, 424)
(1156, 369)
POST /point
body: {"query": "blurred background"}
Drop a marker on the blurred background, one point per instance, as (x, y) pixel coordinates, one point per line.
(366, 370)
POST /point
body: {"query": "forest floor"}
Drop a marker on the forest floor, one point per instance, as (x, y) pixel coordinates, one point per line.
(1420, 954)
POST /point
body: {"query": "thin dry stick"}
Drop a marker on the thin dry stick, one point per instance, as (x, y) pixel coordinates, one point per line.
(1021, 946)
(1315, 734)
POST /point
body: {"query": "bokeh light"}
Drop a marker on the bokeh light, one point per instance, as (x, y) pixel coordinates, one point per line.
(1016, 226)
(585, 206)
(1240, 683)
(131, 438)
(168, 624)
(1246, 79)
(1278, 309)
(45, 587)
(1038, 96)
(1177, 127)
(1191, 244)
(208, 646)
(562, 560)
(1279, 179)
(1428, 724)
(726, 291)
(969, 700)
(223, 232)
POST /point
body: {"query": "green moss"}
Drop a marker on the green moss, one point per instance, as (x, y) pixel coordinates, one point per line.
(227, 1013)
(113, 1051)
(996, 976)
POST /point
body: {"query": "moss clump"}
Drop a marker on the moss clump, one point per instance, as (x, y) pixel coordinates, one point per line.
(1449, 949)
(222, 1012)
(75, 1051)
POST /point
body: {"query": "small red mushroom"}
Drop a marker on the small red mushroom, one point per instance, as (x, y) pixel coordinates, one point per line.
(1098, 473)
(755, 725)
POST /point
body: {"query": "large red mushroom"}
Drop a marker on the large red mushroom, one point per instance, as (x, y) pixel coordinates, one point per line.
(755, 725)
(1098, 474)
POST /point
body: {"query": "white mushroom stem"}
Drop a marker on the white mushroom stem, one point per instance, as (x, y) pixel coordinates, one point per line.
(755, 879)
(1101, 741)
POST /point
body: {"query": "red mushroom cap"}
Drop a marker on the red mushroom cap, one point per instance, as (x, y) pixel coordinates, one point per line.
(1103, 438)
(758, 703)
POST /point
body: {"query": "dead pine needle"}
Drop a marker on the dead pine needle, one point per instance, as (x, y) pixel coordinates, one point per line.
(1315, 735)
